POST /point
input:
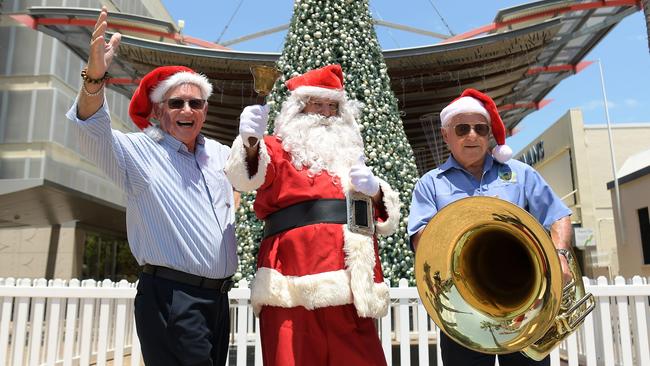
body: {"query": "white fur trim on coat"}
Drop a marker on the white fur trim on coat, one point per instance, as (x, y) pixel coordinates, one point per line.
(237, 167)
(370, 299)
(314, 91)
(392, 204)
(271, 287)
(179, 78)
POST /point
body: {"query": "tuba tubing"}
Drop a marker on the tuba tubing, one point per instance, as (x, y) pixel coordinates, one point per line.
(489, 276)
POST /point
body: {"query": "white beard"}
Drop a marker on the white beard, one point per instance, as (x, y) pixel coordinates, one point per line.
(320, 143)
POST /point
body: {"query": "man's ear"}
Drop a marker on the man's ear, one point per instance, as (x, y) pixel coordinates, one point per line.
(156, 111)
(444, 134)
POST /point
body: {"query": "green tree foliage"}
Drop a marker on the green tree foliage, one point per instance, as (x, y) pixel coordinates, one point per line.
(324, 32)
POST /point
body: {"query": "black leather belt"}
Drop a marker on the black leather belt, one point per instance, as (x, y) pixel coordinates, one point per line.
(222, 284)
(323, 211)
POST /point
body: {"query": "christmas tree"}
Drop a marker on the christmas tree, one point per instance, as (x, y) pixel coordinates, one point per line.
(324, 32)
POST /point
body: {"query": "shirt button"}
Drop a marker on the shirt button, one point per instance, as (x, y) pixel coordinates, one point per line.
(228, 204)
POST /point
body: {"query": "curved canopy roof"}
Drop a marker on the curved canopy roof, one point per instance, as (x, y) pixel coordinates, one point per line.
(517, 60)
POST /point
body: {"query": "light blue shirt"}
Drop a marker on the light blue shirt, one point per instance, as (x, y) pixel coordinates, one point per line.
(513, 181)
(180, 205)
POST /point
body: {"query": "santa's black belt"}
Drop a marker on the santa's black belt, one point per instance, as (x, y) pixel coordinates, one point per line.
(323, 211)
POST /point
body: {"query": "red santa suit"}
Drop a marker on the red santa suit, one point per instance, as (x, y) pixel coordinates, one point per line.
(314, 267)
(317, 286)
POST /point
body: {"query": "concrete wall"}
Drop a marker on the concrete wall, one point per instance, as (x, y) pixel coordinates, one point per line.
(628, 139)
(55, 252)
(634, 195)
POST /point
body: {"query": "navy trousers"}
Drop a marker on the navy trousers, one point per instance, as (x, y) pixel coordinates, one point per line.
(453, 354)
(180, 324)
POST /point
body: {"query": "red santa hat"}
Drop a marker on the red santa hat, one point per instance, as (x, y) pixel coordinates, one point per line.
(473, 101)
(156, 84)
(325, 82)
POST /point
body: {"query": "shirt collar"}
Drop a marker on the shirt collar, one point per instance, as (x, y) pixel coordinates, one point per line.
(489, 162)
(176, 145)
(452, 163)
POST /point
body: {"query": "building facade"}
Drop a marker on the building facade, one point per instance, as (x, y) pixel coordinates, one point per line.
(633, 223)
(575, 159)
(51, 198)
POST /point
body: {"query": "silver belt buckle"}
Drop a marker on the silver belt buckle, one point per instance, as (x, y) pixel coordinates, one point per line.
(360, 213)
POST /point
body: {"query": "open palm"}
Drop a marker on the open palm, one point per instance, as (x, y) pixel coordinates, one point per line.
(101, 53)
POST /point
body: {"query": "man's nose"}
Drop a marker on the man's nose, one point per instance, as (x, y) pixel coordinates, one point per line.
(326, 112)
(186, 108)
(472, 132)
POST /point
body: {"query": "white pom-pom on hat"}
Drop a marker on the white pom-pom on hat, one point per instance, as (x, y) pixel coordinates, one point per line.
(502, 153)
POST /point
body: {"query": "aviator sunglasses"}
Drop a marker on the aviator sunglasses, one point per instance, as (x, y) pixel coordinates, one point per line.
(463, 129)
(178, 103)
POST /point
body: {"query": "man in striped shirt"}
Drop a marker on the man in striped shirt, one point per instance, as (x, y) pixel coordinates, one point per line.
(180, 205)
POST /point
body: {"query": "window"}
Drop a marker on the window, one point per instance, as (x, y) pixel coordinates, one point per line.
(107, 257)
(644, 225)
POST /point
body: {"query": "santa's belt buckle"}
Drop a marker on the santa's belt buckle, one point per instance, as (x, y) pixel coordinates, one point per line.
(360, 218)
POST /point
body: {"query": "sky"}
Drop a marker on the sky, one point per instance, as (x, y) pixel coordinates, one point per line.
(623, 53)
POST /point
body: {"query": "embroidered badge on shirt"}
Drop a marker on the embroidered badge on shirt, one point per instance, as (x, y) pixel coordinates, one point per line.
(507, 175)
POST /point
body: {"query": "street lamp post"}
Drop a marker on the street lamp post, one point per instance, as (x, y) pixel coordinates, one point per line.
(611, 153)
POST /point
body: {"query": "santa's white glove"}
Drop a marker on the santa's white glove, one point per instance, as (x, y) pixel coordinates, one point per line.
(363, 180)
(252, 122)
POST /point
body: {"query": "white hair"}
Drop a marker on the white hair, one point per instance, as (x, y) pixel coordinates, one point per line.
(180, 78)
(310, 138)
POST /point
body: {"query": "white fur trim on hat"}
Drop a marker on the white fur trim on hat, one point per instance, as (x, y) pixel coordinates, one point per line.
(237, 168)
(314, 91)
(463, 105)
(179, 78)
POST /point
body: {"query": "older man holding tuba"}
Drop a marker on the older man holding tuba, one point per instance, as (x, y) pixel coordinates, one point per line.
(472, 170)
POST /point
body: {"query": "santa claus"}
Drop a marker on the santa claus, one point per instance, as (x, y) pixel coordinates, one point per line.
(318, 284)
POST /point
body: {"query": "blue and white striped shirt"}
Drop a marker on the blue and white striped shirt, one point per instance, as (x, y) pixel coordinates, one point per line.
(180, 205)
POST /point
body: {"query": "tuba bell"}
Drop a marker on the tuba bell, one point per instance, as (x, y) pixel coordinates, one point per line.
(489, 276)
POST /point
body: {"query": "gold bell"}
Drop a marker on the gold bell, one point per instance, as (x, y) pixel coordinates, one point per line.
(263, 78)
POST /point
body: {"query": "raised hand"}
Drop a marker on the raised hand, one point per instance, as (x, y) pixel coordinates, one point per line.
(252, 123)
(99, 60)
(363, 179)
(101, 53)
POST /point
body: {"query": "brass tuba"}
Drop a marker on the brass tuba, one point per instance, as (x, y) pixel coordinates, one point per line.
(489, 276)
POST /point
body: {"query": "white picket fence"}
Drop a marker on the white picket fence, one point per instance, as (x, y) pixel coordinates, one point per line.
(88, 322)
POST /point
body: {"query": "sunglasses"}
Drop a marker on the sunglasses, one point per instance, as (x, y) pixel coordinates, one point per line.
(177, 103)
(463, 129)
